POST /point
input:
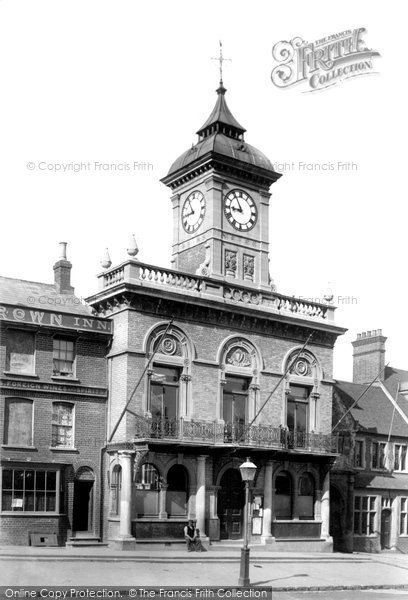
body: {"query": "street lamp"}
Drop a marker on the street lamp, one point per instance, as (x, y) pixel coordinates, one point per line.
(248, 470)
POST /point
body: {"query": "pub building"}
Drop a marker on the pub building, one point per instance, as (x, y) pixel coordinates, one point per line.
(53, 394)
(197, 350)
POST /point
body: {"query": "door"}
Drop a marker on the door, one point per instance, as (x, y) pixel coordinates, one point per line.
(385, 528)
(83, 506)
(231, 501)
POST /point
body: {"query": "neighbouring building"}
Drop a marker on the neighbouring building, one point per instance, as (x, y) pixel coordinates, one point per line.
(197, 351)
(53, 393)
(369, 487)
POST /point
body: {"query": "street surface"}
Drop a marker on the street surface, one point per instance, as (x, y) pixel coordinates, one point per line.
(60, 567)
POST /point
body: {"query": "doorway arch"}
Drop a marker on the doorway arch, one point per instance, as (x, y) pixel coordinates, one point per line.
(83, 510)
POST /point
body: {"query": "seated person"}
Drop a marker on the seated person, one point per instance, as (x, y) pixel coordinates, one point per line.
(192, 537)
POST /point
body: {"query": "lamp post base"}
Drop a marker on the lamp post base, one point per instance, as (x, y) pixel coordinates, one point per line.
(244, 568)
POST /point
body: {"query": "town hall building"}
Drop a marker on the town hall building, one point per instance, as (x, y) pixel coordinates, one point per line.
(209, 364)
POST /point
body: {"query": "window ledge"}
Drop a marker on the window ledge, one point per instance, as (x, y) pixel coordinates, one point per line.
(63, 449)
(27, 513)
(17, 374)
(18, 447)
(61, 378)
(297, 521)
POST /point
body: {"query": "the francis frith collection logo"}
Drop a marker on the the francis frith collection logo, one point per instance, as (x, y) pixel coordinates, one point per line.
(323, 63)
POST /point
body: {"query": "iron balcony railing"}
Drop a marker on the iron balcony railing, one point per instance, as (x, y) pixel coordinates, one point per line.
(214, 433)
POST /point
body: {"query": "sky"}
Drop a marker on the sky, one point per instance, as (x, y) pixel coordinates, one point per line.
(109, 83)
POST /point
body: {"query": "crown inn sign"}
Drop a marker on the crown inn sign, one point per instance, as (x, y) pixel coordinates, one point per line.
(52, 319)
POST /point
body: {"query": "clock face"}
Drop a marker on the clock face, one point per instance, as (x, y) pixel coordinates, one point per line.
(240, 210)
(193, 211)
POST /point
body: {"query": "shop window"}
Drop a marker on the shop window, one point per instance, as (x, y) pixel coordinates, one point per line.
(235, 406)
(29, 490)
(283, 496)
(306, 493)
(177, 491)
(63, 357)
(20, 351)
(404, 516)
(364, 515)
(147, 486)
(62, 425)
(18, 424)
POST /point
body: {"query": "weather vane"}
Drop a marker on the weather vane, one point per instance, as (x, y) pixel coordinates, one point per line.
(221, 59)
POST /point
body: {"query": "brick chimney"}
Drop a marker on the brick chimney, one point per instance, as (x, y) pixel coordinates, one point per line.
(62, 272)
(368, 356)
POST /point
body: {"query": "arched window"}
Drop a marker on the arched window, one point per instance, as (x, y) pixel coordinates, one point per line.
(147, 491)
(62, 425)
(283, 495)
(177, 491)
(302, 394)
(168, 379)
(116, 486)
(239, 370)
(306, 492)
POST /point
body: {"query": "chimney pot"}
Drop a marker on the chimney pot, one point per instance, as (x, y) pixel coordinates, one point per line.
(63, 250)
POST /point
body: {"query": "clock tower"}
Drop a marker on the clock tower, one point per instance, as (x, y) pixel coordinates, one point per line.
(221, 203)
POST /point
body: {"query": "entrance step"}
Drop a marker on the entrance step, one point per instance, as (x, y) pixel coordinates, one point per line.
(85, 540)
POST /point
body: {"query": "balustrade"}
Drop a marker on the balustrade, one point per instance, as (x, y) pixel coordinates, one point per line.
(214, 433)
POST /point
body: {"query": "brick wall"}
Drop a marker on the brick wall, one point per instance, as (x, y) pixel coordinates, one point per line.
(207, 341)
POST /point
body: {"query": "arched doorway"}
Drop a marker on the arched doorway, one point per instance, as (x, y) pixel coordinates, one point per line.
(82, 518)
(231, 500)
(385, 528)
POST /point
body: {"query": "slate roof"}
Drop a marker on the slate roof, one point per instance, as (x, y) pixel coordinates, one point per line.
(373, 412)
(221, 114)
(40, 296)
(221, 144)
(387, 481)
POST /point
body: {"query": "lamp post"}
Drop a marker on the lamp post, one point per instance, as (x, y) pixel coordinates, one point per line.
(248, 470)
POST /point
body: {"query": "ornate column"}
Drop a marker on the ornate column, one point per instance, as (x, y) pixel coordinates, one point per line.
(200, 494)
(325, 507)
(162, 501)
(126, 540)
(267, 537)
(253, 398)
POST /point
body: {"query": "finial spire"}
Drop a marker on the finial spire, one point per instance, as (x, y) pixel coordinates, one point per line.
(221, 59)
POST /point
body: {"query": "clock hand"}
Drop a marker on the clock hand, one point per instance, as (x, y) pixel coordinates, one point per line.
(239, 209)
(191, 211)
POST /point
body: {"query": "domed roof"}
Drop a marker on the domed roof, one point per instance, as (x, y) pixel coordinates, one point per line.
(224, 145)
(222, 136)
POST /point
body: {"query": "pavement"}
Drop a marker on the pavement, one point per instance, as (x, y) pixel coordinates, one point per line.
(23, 565)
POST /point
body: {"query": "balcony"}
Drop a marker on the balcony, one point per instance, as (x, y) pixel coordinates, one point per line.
(196, 286)
(212, 433)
